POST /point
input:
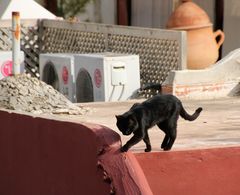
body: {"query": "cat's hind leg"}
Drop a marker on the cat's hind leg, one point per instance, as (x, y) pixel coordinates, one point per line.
(147, 142)
(169, 128)
(171, 141)
(172, 133)
(164, 127)
(165, 141)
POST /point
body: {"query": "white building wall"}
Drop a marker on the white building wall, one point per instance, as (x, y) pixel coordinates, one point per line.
(104, 11)
(231, 26)
(151, 13)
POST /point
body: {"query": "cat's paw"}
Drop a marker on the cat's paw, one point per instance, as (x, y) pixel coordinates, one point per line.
(148, 150)
(124, 148)
(163, 146)
(166, 148)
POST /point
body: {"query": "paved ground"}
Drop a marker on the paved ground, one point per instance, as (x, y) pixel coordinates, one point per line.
(217, 126)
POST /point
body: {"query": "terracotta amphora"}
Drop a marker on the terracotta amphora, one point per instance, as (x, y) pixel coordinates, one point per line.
(202, 44)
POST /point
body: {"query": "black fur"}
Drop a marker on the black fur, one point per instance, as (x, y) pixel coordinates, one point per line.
(160, 110)
(154, 86)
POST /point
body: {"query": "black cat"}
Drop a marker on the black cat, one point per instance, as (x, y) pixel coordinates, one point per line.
(160, 110)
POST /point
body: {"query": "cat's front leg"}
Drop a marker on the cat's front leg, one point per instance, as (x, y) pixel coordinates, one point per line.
(124, 148)
(147, 142)
(134, 140)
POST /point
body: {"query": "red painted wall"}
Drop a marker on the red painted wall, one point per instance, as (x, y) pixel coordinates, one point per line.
(52, 157)
(198, 172)
(41, 156)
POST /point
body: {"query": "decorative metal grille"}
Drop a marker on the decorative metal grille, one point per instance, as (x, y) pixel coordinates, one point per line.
(5, 39)
(29, 43)
(160, 51)
(72, 41)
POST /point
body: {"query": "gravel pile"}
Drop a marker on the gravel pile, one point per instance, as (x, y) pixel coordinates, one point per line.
(25, 93)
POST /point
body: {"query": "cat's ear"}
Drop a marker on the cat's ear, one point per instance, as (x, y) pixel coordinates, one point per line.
(118, 117)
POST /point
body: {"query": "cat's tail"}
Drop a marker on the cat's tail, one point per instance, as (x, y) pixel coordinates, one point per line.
(186, 116)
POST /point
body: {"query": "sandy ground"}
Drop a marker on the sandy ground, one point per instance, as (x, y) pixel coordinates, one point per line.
(217, 126)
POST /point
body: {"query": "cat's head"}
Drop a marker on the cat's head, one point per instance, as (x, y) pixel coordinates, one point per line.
(126, 124)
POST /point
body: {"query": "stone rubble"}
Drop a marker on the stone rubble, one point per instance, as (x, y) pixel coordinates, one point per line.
(25, 93)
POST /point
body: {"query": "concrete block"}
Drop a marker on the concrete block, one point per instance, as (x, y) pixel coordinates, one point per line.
(219, 80)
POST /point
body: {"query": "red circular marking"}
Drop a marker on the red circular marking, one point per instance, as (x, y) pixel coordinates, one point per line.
(98, 78)
(6, 68)
(65, 75)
